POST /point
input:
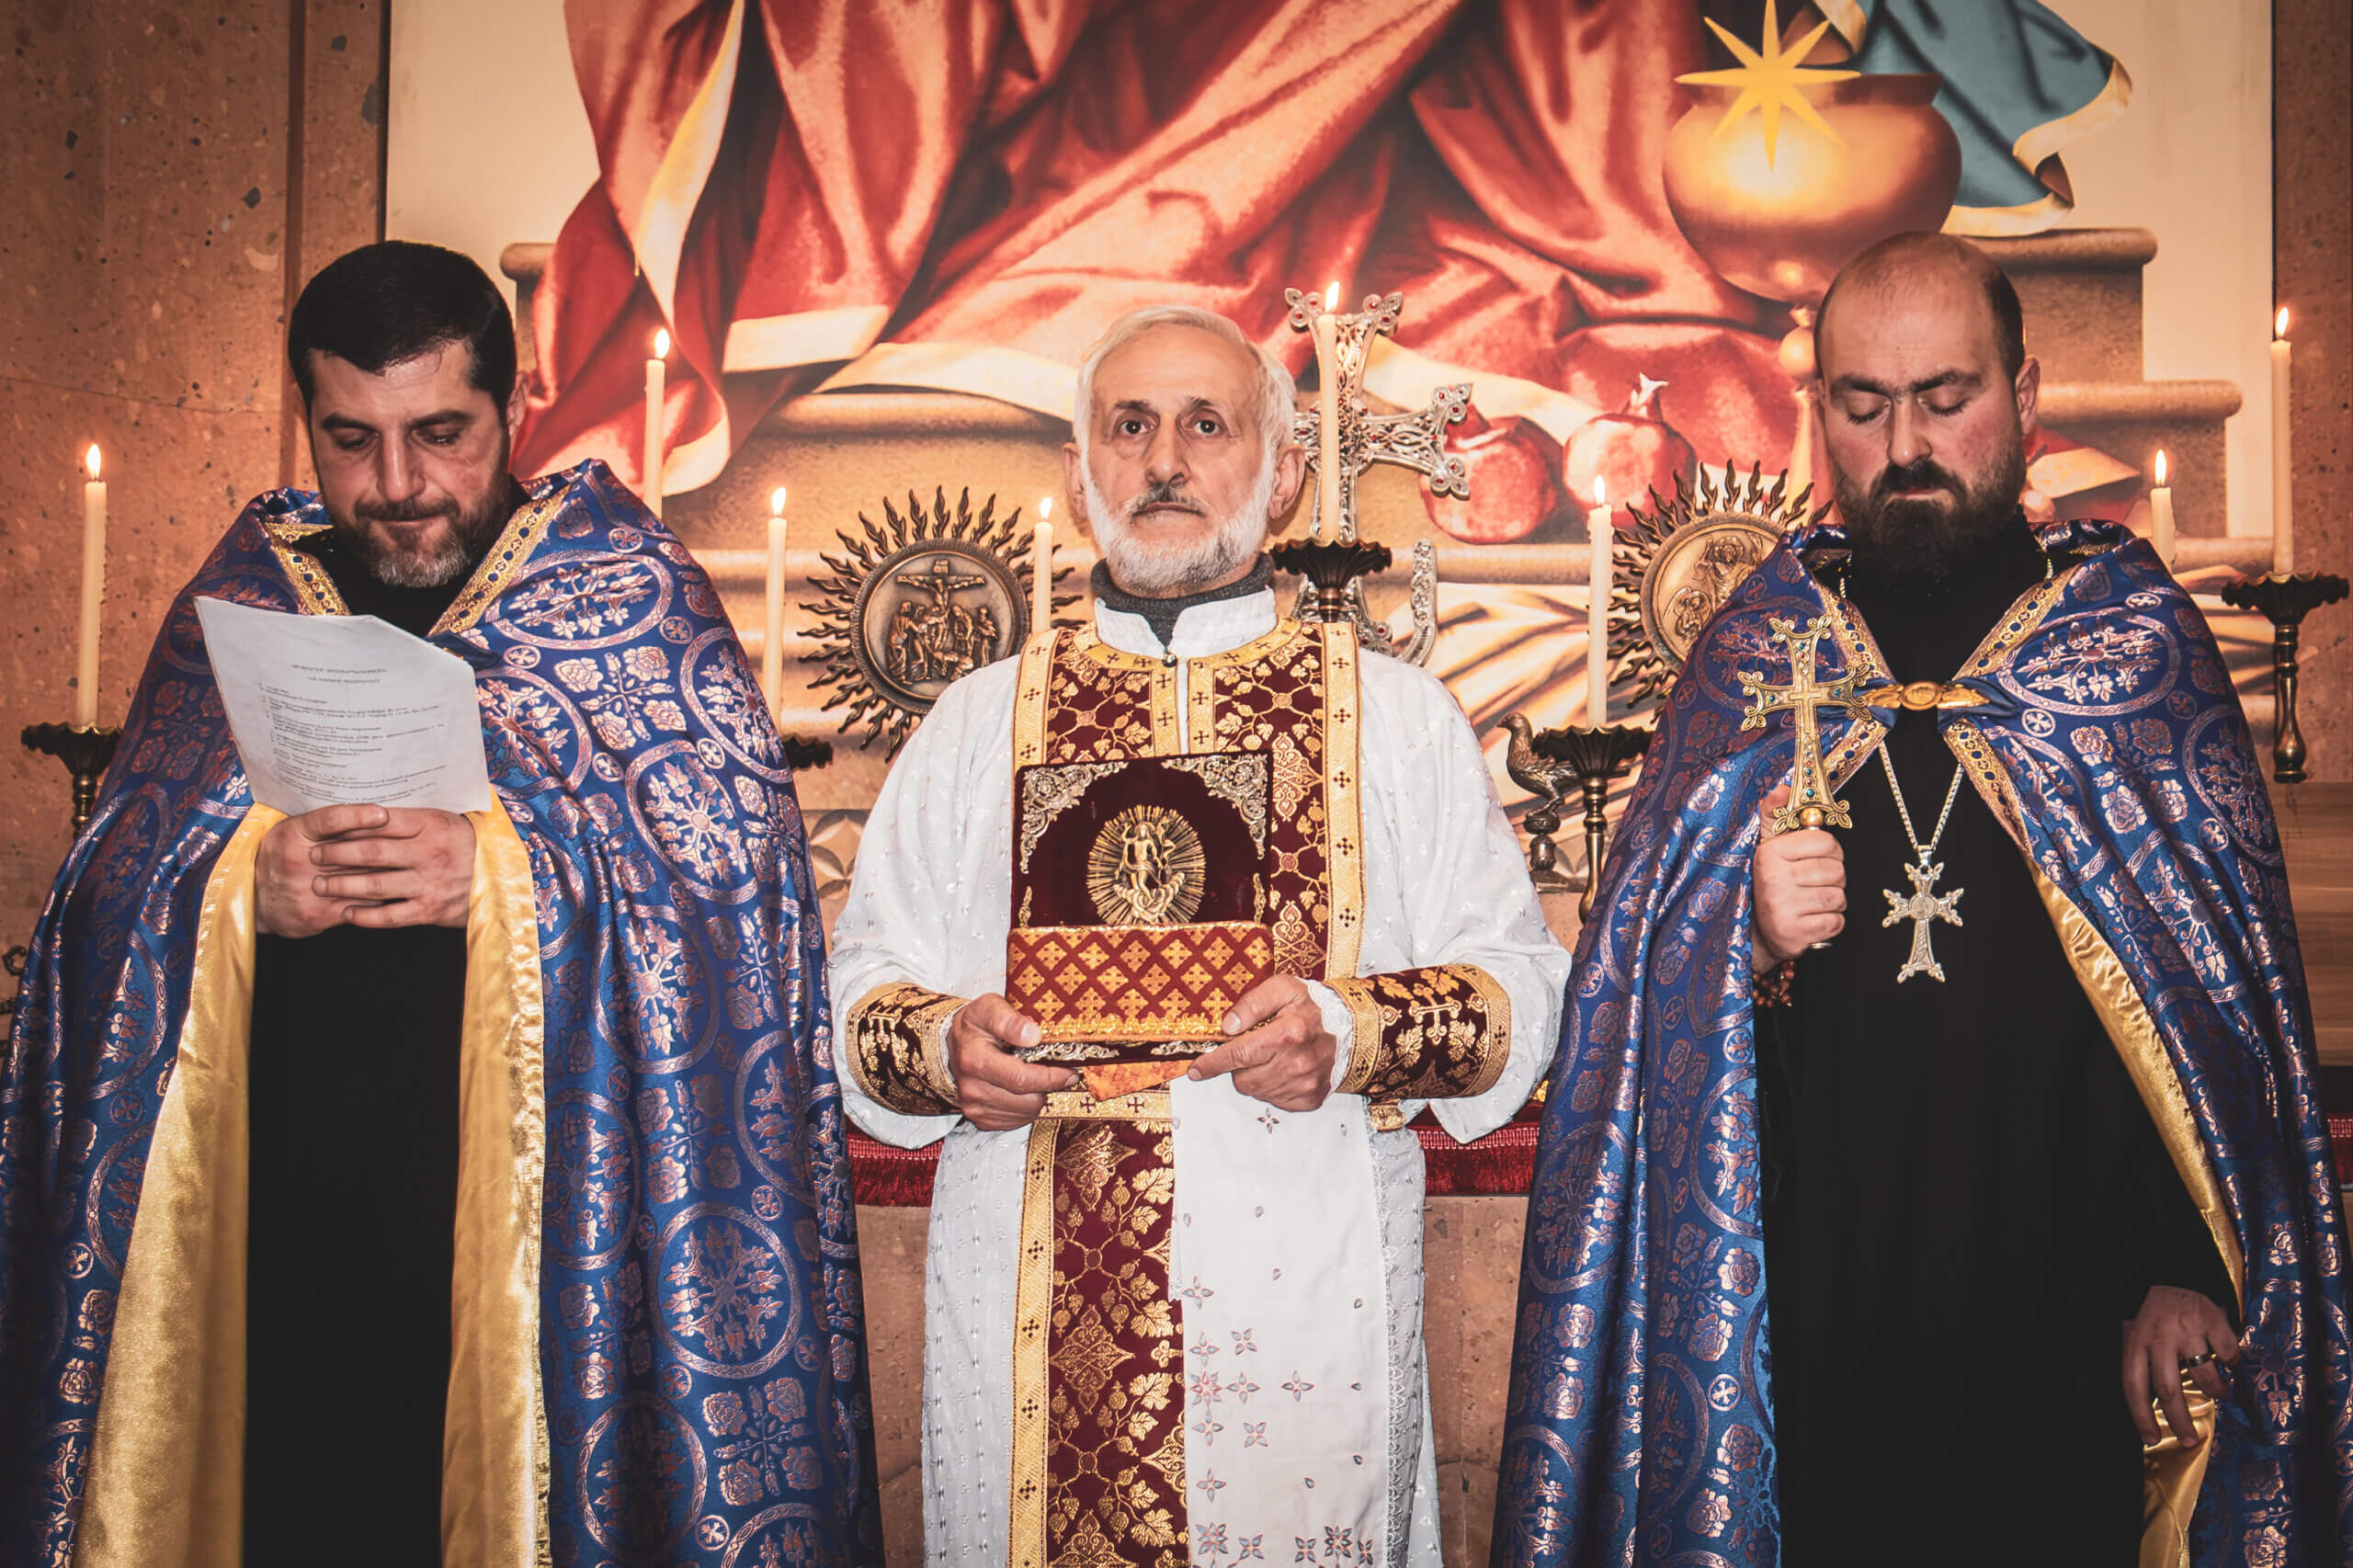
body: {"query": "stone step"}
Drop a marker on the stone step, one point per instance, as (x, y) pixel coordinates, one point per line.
(2079, 291)
(2131, 421)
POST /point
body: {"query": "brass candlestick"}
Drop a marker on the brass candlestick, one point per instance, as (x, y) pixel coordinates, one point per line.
(1596, 757)
(2285, 600)
(84, 749)
(1332, 565)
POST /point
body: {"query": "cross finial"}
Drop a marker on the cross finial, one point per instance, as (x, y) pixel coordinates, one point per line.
(1415, 439)
(1810, 803)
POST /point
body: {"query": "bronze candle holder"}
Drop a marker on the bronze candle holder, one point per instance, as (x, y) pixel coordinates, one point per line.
(1330, 565)
(2285, 600)
(84, 749)
(1543, 762)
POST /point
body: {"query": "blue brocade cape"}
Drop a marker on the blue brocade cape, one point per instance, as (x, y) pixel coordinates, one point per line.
(658, 1347)
(2106, 738)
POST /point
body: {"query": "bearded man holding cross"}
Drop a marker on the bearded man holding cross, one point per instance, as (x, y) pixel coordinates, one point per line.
(1996, 1225)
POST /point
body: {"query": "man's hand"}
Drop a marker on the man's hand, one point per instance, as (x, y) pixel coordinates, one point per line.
(1798, 887)
(1280, 1053)
(372, 866)
(2175, 1327)
(996, 1090)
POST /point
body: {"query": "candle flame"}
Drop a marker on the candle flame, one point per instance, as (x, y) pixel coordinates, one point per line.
(775, 502)
(1600, 492)
(2279, 322)
(1332, 296)
(662, 343)
(1045, 508)
(90, 460)
(2160, 470)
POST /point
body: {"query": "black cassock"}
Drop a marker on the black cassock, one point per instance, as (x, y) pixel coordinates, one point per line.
(352, 1215)
(1965, 1198)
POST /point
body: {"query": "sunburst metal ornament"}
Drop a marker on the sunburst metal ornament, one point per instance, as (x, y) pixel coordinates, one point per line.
(911, 608)
(1675, 568)
(1770, 80)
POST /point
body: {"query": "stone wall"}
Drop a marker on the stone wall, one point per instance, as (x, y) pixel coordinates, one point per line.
(173, 175)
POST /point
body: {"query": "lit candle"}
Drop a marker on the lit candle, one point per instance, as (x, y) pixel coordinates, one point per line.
(772, 645)
(1597, 534)
(1325, 329)
(93, 587)
(2161, 515)
(657, 369)
(1041, 567)
(2283, 504)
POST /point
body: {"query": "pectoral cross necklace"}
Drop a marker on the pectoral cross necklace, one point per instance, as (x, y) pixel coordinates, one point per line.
(1925, 905)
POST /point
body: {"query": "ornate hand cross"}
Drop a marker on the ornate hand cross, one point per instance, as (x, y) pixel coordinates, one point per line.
(1811, 804)
(1414, 439)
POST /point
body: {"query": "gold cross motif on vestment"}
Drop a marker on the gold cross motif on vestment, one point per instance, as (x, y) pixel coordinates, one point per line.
(1810, 803)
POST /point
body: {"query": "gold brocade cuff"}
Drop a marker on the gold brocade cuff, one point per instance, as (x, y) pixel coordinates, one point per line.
(898, 1049)
(1442, 1032)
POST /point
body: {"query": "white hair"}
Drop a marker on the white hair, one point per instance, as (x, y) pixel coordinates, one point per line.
(1278, 396)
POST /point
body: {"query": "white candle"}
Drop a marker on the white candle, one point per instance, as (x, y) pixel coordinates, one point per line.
(1041, 567)
(93, 587)
(2161, 515)
(2283, 503)
(656, 371)
(1326, 330)
(1597, 533)
(772, 644)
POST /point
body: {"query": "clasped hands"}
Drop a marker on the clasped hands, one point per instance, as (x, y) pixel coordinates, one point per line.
(1276, 1050)
(371, 866)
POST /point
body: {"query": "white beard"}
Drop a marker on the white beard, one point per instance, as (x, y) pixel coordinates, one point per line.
(1159, 571)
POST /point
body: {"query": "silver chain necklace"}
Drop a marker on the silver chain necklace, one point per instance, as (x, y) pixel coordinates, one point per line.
(1925, 905)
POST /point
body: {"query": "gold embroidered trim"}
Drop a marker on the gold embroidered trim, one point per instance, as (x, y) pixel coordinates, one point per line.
(2024, 618)
(1343, 802)
(513, 548)
(898, 1049)
(1032, 1299)
(1439, 1032)
(1147, 1106)
(1030, 697)
(314, 591)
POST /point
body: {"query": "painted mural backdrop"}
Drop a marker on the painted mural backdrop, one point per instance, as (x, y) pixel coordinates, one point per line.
(1600, 214)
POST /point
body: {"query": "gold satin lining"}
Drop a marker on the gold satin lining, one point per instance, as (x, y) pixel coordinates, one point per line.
(2172, 1475)
(166, 1475)
(494, 1445)
(166, 1465)
(1033, 1301)
(1343, 803)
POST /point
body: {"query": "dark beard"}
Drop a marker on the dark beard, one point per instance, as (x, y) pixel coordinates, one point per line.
(1912, 548)
(470, 538)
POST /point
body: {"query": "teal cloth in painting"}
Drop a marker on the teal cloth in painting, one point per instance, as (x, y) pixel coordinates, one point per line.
(1639, 1425)
(702, 1346)
(2012, 71)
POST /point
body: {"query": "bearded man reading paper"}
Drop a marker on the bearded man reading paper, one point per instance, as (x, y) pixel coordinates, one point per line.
(391, 1186)
(1184, 1323)
(2020, 1136)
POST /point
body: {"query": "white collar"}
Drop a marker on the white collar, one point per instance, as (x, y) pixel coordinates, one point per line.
(1217, 627)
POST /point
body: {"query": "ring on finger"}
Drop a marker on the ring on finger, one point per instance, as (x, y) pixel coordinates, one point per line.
(2191, 1363)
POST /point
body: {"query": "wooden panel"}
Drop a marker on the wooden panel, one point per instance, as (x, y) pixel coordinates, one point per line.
(2316, 825)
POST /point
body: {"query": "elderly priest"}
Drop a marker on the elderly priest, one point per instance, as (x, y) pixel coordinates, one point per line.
(388, 1186)
(1166, 927)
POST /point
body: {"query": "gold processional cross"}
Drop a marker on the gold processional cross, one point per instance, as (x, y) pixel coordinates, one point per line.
(1810, 803)
(1414, 439)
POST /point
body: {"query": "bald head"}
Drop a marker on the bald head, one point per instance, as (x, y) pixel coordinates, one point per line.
(1915, 263)
(1928, 399)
